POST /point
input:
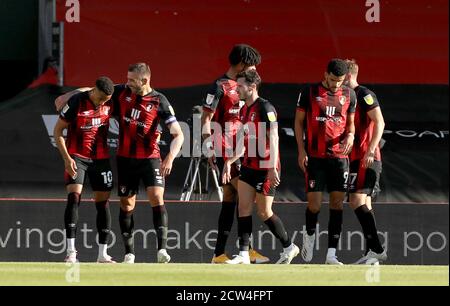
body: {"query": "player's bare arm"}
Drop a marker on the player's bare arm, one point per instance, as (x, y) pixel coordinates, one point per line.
(273, 174)
(62, 100)
(175, 147)
(347, 143)
(226, 173)
(377, 117)
(69, 163)
(206, 134)
(299, 131)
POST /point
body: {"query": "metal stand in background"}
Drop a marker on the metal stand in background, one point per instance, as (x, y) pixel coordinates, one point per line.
(193, 189)
(58, 49)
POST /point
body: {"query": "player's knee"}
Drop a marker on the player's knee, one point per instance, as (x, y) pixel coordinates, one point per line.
(229, 196)
(265, 214)
(127, 205)
(336, 205)
(156, 199)
(244, 211)
(355, 202)
(314, 208)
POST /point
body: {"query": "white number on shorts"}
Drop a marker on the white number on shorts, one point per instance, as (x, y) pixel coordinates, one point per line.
(353, 178)
(107, 177)
(346, 177)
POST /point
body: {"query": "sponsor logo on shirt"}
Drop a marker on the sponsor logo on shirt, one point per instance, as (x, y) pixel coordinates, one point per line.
(272, 117)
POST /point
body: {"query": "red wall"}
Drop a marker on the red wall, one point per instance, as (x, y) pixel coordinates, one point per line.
(186, 42)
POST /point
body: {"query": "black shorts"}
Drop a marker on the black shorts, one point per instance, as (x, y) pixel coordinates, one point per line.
(98, 171)
(365, 180)
(258, 180)
(132, 171)
(330, 172)
(235, 168)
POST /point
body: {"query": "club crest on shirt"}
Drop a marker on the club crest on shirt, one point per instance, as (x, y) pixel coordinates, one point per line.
(252, 116)
(149, 107)
(369, 99)
(105, 110)
(312, 184)
(342, 100)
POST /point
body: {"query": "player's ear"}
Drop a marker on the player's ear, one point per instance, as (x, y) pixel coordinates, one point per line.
(144, 81)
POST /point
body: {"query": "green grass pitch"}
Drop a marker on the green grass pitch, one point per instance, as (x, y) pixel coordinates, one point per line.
(86, 274)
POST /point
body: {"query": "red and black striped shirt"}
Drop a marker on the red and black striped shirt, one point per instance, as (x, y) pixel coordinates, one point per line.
(326, 119)
(87, 134)
(257, 120)
(139, 121)
(223, 100)
(367, 101)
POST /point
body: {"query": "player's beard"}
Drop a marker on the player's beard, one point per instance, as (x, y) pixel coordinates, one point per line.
(136, 90)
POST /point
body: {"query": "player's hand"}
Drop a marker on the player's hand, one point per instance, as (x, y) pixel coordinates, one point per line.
(226, 174)
(71, 167)
(347, 144)
(166, 166)
(368, 159)
(274, 177)
(60, 102)
(303, 160)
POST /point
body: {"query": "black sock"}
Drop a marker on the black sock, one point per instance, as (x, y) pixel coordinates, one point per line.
(71, 214)
(311, 221)
(126, 222)
(226, 219)
(334, 228)
(103, 221)
(277, 228)
(237, 218)
(367, 221)
(245, 227)
(161, 224)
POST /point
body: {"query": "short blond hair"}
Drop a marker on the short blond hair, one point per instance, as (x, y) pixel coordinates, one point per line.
(353, 67)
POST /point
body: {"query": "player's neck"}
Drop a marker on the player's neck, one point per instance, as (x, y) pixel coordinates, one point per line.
(249, 101)
(232, 73)
(352, 84)
(93, 99)
(146, 90)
